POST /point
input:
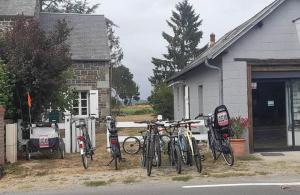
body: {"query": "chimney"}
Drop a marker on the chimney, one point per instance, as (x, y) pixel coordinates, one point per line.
(212, 39)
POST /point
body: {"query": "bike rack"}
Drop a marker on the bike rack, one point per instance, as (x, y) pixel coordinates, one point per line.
(130, 124)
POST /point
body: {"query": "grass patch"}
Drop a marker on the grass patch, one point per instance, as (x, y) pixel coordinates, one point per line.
(95, 183)
(42, 173)
(129, 180)
(25, 187)
(182, 178)
(231, 174)
(16, 170)
(249, 158)
(134, 110)
(261, 172)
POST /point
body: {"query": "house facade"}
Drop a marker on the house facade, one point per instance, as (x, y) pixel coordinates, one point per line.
(255, 71)
(89, 52)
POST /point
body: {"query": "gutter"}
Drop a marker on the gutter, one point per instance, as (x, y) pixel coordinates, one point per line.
(207, 64)
(176, 83)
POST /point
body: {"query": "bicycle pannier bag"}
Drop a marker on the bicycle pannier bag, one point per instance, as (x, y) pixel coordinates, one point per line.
(222, 120)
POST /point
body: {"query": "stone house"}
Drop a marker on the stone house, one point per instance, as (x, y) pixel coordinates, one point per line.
(89, 49)
(255, 71)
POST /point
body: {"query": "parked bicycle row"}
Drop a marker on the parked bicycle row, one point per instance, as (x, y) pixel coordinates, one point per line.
(175, 139)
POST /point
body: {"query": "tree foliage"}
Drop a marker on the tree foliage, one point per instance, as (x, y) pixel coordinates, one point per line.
(68, 6)
(182, 45)
(123, 83)
(162, 100)
(38, 63)
(116, 52)
(6, 91)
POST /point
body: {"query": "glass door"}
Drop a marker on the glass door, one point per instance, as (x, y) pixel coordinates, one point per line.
(293, 112)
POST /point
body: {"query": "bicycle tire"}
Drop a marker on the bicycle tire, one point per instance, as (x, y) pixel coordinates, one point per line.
(184, 150)
(197, 156)
(189, 153)
(143, 156)
(228, 157)
(177, 159)
(131, 145)
(84, 160)
(165, 141)
(115, 156)
(150, 152)
(157, 153)
(211, 146)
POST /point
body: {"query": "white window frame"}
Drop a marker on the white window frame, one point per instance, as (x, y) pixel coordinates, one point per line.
(80, 106)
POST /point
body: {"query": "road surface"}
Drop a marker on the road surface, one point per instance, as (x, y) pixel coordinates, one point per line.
(177, 188)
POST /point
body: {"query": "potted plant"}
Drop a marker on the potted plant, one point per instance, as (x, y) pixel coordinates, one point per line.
(238, 143)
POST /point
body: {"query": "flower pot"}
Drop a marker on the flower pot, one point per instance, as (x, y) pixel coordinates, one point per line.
(238, 146)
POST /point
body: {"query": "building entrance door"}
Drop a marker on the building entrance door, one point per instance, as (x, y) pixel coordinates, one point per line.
(269, 114)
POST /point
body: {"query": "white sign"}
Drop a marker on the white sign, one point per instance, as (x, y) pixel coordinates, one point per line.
(271, 103)
(254, 85)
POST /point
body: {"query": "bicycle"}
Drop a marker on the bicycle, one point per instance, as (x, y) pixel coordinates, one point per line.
(219, 133)
(114, 142)
(151, 151)
(173, 151)
(187, 143)
(85, 145)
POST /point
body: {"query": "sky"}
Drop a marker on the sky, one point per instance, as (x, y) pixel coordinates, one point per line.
(141, 23)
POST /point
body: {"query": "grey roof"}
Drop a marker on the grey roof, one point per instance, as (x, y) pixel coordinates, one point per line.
(17, 7)
(88, 39)
(229, 38)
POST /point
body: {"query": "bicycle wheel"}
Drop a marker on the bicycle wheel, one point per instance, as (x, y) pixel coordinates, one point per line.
(115, 156)
(177, 159)
(84, 160)
(143, 155)
(131, 145)
(197, 156)
(211, 146)
(157, 154)
(150, 154)
(189, 153)
(184, 150)
(164, 142)
(227, 153)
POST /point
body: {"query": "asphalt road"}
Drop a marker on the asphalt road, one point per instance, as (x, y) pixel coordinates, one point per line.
(175, 189)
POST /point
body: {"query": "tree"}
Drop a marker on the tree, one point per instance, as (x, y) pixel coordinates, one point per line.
(68, 6)
(123, 83)
(116, 52)
(182, 45)
(38, 63)
(6, 91)
(162, 100)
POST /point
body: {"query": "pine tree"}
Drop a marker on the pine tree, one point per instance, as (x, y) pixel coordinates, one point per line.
(182, 45)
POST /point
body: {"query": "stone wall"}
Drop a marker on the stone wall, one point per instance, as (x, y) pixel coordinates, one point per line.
(2, 139)
(93, 76)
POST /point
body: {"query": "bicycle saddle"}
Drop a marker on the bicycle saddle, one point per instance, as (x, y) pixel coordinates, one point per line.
(81, 126)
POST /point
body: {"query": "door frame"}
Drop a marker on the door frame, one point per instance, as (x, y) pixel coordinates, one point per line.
(268, 65)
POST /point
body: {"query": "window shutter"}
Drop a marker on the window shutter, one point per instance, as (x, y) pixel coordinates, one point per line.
(94, 106)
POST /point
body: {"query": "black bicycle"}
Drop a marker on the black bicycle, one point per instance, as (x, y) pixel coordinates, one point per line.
(151, 149)
(114, 142)
(219, 133)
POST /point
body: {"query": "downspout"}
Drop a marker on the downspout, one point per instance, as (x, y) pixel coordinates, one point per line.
(219, 69)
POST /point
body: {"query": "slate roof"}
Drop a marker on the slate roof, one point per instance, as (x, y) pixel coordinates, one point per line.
(229, 38)
(88, 39)
(17, 7)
